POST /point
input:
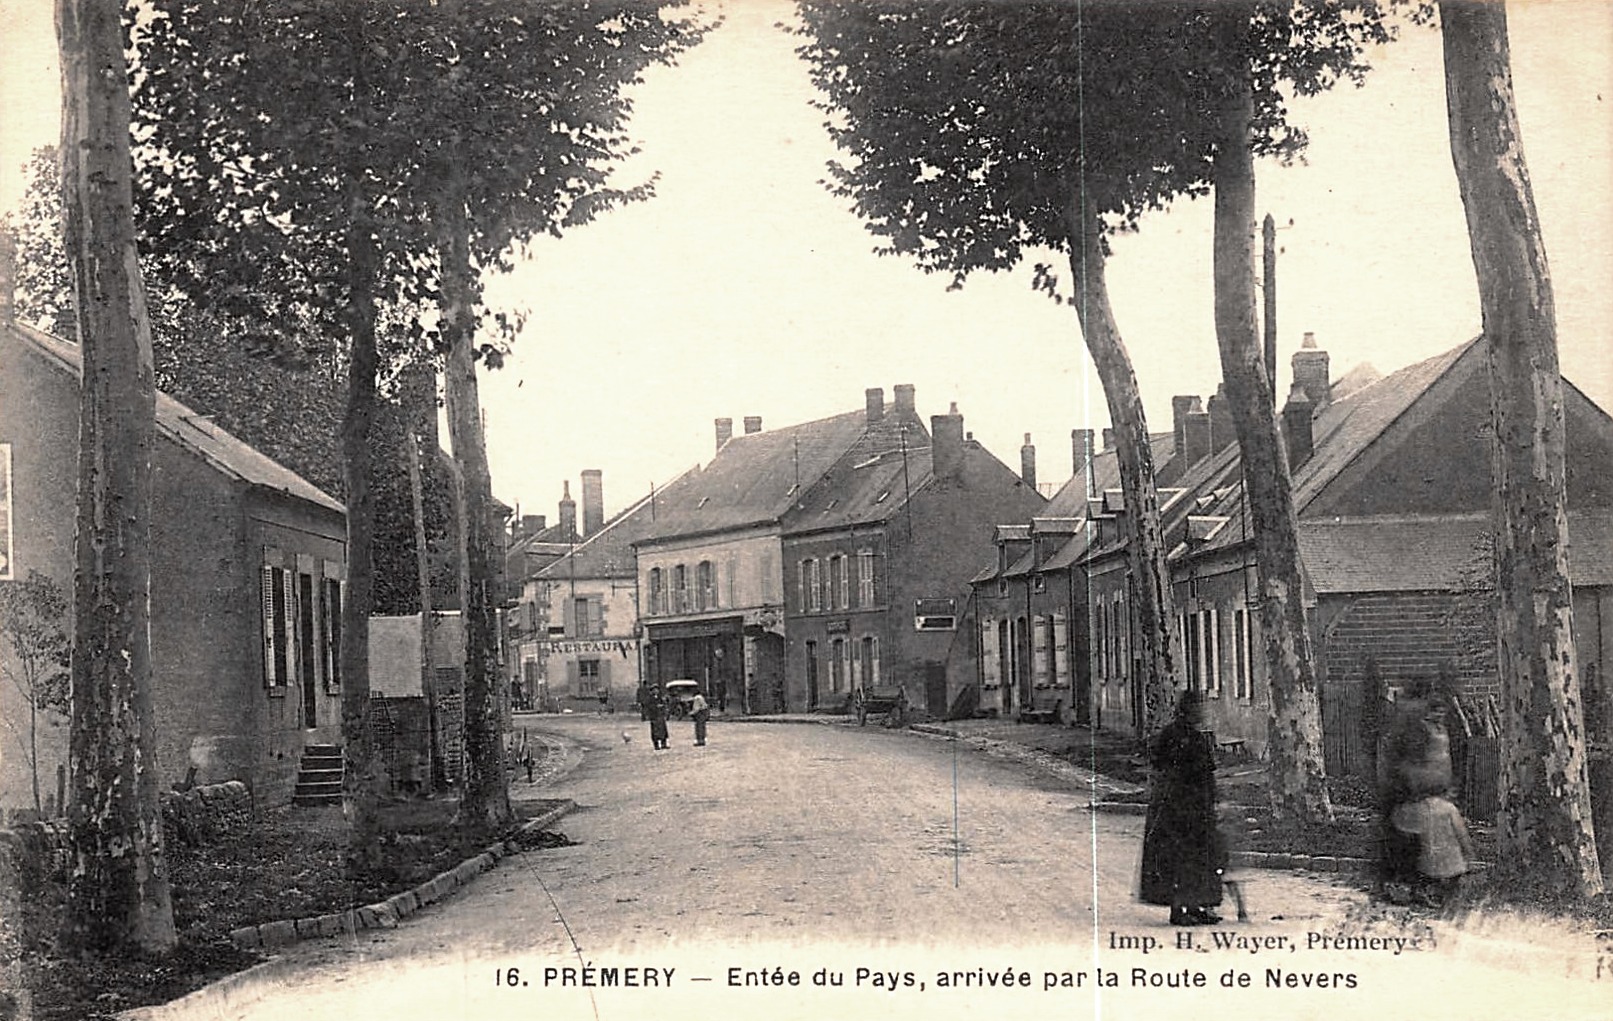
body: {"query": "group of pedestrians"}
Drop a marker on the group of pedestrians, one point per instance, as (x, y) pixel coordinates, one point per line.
(1424, 847)
(656, 709)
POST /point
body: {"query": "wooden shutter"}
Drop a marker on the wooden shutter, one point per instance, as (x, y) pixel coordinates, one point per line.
(989, 668)
(1039, 671)
(266, 579)
(1061, 651)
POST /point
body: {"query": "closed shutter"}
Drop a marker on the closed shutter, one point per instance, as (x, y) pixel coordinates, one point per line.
(1061, 651)
(989, 668)
(270, 650)
(568, 616)
(571, 677)
(1215, 649)
(1039, 671)
(604, 674)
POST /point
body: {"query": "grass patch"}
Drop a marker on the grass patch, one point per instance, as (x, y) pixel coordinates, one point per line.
(288, 863)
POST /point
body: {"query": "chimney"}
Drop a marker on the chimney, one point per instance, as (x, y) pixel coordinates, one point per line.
(904, 398)
(543, 521)
(531, 524)
(1297, 427)
(8, 278)
(753, 424)
(1196, 434)
(1080, 450)
(1027, 462)
(725, 431)
(875, 398)
(946, 442)
(1180, 406)
(593, 501)
(1222, 432)
(1311, 372)
(568, 511)
(1108, 438)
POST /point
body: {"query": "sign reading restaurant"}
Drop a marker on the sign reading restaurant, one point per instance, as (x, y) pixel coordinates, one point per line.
(624, 647)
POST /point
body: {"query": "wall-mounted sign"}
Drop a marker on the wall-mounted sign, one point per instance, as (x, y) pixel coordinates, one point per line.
(935, 614)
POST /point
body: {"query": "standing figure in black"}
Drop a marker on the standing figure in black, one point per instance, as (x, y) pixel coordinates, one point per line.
(1184, 858)
(657, 716)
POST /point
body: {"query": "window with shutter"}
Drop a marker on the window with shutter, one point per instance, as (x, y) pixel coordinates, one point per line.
(1061, 651)
(1039, 669)
(988, 653)
(266, 582)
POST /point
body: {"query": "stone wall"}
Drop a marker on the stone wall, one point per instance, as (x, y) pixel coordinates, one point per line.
(39, 850)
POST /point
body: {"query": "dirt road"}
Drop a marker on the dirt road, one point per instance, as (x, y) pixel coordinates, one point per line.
(832, 871)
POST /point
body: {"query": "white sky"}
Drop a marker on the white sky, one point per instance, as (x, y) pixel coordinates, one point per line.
(743, 288)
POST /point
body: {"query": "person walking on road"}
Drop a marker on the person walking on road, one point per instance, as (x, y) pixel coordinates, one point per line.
(656, 711)
(700, 712)
(1184, 858)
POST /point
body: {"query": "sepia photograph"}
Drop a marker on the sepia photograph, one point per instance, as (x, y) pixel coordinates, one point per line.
(806, 509)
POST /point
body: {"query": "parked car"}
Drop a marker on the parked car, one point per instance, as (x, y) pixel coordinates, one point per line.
(679, 694)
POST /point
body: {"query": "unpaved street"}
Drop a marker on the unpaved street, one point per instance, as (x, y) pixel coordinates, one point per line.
(954, 882)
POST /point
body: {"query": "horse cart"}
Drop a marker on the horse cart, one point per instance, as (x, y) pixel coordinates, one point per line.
(888, 703)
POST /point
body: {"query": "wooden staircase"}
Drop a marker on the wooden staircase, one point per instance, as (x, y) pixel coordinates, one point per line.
(319, 776)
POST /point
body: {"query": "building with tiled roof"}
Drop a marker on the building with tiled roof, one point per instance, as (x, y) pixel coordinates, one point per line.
(248, 569)
(722, 582)
(574, 636)
(877, 559)
(1392, 490)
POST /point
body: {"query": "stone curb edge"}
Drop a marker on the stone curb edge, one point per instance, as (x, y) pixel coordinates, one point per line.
(227, 992)
(388, 913)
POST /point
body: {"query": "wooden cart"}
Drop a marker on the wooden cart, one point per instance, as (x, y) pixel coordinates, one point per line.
(889, 703)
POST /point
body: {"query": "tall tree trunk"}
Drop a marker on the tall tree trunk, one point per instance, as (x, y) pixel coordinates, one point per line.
(118, 897)
(422, 551)
(362, 782)
(1546, 832)
(1152, 604)
(1297, 786)
(486, 802)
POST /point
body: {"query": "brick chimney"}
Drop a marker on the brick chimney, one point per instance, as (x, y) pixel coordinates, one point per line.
(1311, 372)
(1027, 461)
(946, 442)
(753, 424)
(1297, 426)
(568, 511)
(1196, 434)
(593, 501)
(8, 278)
(531, 524)
(904, 398)
(875, 399)
(725, 431)
(1180, 406)
(1080, 450)
(1222, 432)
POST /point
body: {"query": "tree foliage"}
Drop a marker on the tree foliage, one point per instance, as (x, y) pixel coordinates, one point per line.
(37, 660)
(980, 132)
(299, 152)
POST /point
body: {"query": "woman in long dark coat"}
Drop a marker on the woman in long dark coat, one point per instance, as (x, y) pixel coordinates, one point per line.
(1184, 857)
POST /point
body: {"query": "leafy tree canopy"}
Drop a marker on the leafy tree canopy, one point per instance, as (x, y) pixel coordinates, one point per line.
(253, 118)
(971, 128)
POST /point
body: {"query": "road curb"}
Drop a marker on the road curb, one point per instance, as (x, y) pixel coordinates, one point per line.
(244, 987)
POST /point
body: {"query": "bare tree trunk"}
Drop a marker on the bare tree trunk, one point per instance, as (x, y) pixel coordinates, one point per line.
(1151, 599)
(362, 782)
(417, 499)
(118, 896)
(486, 799)
(1546, 832)
(1297, 768)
